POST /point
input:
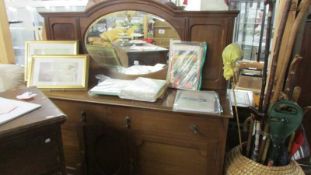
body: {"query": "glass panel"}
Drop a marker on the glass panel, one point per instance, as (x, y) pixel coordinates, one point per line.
(131, 42)
(249, 27)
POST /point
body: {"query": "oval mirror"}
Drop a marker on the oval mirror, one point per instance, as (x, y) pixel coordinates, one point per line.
(130, 42)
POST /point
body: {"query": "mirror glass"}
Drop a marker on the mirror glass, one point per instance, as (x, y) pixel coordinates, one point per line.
(130, 42)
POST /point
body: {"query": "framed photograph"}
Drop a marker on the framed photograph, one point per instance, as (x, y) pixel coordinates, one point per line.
(59, 72)
(47, 48)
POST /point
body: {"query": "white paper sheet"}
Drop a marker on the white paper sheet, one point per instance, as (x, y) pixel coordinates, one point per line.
(20, 108)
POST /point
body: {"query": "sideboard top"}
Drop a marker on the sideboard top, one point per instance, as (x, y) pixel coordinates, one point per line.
(163, 104)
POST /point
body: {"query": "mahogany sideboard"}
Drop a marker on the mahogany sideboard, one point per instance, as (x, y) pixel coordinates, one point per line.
(32, 144)
(110, 136)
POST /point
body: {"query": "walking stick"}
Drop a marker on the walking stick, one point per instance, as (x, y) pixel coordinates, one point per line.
(304, 8)
(275, 55)
(264, 102)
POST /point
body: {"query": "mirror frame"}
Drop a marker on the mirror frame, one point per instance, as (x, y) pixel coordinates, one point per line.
(214, 27)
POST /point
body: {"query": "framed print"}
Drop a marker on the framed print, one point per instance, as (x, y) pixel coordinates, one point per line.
(59, 72)
(48, 48)
(186, 60)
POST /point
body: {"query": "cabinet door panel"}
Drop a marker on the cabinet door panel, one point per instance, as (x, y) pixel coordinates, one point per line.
(107, 151)
(157, 157)
(31, 153)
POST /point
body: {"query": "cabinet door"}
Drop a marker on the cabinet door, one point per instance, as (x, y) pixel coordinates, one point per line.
(33, 152)
(107, 150)
(167, 156)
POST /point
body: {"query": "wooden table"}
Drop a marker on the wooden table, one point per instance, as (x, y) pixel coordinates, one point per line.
(32, 144)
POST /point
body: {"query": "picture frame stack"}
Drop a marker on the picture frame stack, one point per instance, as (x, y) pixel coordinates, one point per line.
(55, 65)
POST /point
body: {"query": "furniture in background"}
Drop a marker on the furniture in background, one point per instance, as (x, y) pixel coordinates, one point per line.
(32, 144)
(111, 136)
(249, 75)
(145, 54)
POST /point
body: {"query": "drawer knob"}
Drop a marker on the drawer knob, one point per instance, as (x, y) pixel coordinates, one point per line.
(47, 140)
(194, 128)
(127, 122)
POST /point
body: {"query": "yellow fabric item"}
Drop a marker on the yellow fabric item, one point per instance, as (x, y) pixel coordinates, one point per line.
(111, 35)
(230, 56)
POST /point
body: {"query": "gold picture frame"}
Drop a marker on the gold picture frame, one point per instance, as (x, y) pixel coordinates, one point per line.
(59, 72)
(55, 47)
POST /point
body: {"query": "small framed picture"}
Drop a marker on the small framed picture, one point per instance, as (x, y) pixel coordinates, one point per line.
(48, 48)
(59, 72)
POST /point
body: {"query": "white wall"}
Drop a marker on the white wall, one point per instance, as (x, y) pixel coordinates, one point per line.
(193, 5)
(213, 5)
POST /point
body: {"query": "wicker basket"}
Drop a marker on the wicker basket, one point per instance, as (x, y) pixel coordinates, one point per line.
(237, 164)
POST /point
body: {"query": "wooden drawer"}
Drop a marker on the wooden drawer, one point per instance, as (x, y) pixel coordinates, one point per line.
(31, 153)
(175, 124)
(171, 124)
(110, 116)
(71, 109)
(168, 124)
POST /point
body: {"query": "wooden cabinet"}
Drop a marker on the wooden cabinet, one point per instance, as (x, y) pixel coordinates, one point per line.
(123, 137)
(33, 152)
(115, 136)
(32, 144)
